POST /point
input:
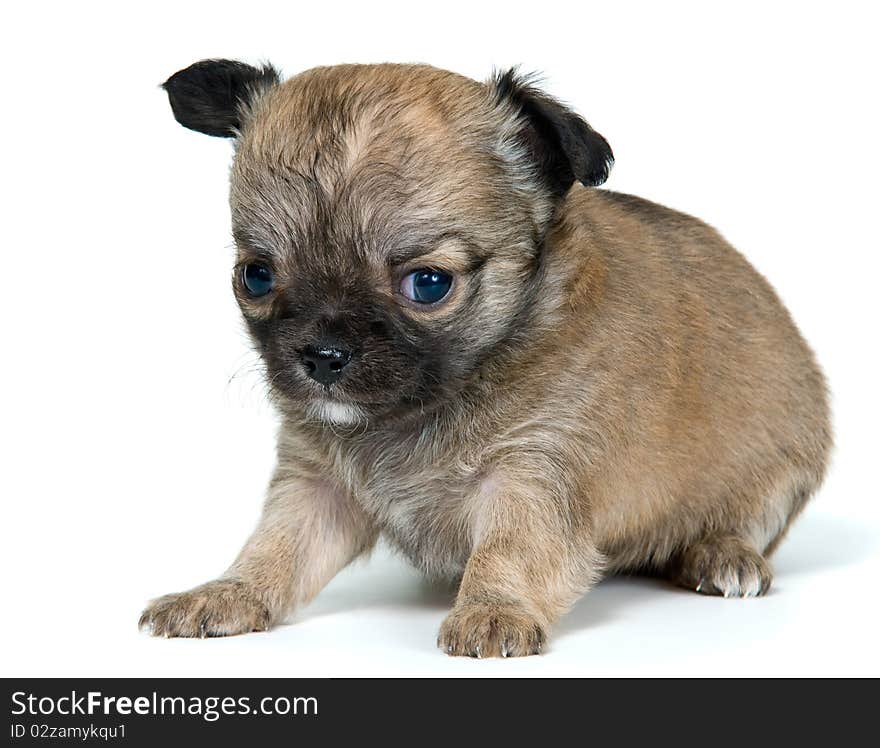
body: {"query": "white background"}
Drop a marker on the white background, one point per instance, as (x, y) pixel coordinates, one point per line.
(136, 439)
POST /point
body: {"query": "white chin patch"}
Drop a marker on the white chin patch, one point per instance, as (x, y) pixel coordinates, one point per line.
(338, 413)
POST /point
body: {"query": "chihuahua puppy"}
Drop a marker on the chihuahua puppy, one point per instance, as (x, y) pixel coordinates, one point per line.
(522, 382)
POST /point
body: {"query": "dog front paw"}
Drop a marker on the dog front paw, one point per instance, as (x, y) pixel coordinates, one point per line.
(224, 607)
(483, 630)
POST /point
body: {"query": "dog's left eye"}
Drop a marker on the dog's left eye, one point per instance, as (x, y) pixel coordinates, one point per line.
(426, 286)
(257, 279)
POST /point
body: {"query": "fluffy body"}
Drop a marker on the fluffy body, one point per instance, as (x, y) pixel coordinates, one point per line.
(610, 388)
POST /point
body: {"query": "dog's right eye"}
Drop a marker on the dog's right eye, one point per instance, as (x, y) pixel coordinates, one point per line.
(257, 279)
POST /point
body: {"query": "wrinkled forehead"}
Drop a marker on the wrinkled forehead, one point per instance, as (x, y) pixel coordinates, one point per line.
(370, 168)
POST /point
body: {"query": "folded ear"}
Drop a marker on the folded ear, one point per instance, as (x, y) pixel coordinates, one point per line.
(557, 140)
(211, 96)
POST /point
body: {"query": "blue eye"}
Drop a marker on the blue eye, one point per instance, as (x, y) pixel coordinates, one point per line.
(257, 279)
(426, 286)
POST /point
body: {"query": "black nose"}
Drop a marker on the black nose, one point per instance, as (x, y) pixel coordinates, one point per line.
(324, 364)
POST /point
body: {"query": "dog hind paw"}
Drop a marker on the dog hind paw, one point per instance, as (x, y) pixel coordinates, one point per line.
(725, 566)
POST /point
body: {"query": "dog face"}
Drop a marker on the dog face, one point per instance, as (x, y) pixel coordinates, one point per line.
(389, 222)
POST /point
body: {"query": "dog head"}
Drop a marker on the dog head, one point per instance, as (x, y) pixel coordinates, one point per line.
(388, 219)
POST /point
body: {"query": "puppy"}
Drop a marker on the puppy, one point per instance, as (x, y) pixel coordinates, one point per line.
(520, 381)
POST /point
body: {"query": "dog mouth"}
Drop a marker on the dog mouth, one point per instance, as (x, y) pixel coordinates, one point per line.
(344, 405)
(347, 412)
(336, 412)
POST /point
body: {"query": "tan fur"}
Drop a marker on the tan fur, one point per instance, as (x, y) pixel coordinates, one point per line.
(663, 415)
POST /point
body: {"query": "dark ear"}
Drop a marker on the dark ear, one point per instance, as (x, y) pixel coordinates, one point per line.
(208, 96)
(561, 143)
